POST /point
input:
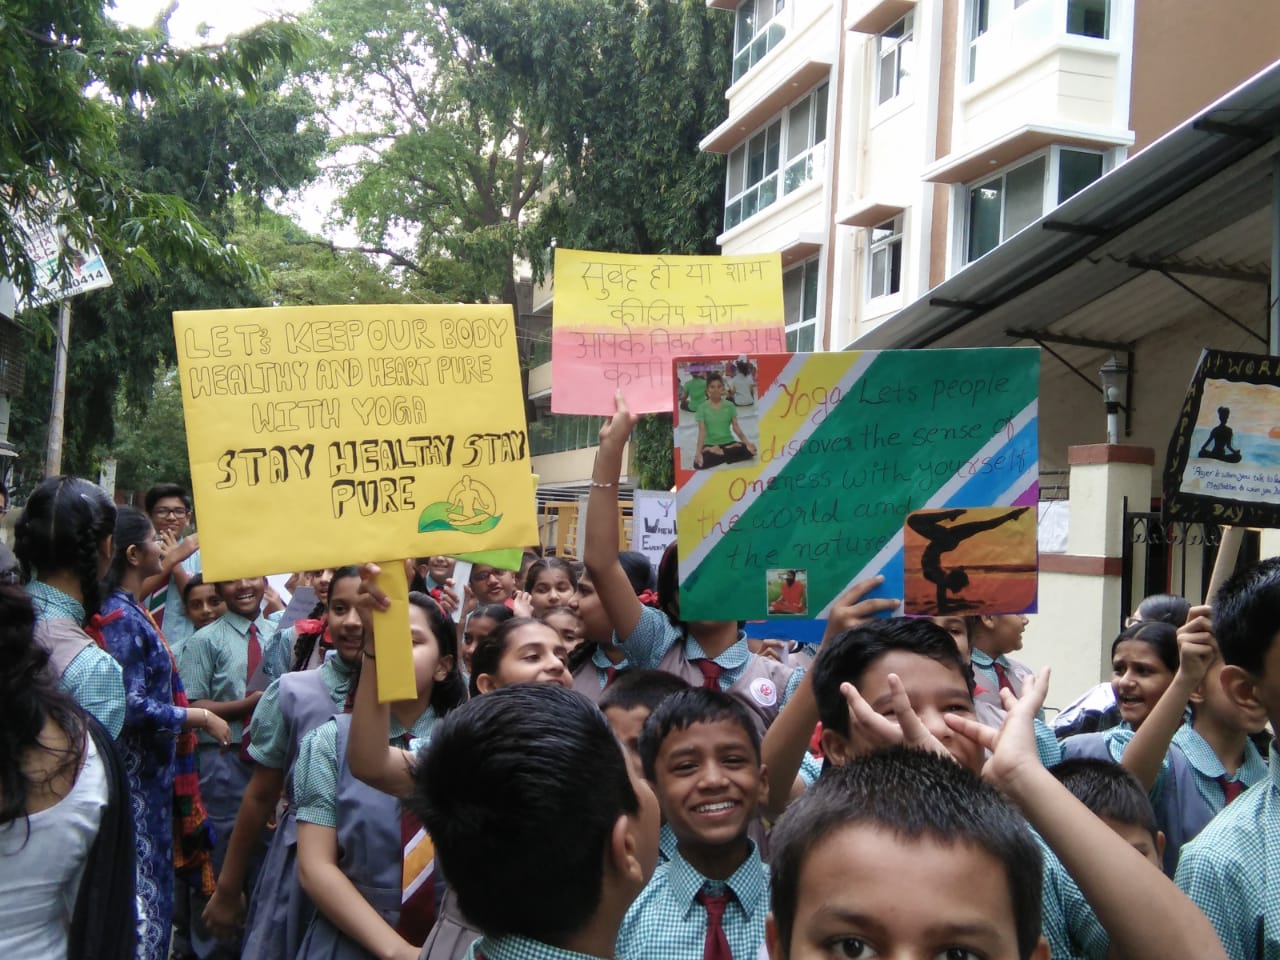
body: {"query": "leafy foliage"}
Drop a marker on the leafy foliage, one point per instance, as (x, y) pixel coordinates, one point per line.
(68, 69)
(438, 168)
(213, 155)
(625, 90)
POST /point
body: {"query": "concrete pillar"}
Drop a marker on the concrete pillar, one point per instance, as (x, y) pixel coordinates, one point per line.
(1080, 603)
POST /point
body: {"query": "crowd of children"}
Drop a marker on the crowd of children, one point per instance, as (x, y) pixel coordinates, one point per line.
(585, 774)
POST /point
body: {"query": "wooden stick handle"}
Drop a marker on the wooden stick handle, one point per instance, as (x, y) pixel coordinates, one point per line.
(1225, 564)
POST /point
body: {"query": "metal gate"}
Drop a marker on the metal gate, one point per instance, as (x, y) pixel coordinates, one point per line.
(1175, 558)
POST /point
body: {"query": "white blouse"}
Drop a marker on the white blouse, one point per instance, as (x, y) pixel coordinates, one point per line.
(40, 867)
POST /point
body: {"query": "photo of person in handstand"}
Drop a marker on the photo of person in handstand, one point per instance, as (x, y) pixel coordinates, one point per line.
(943, 536)
(717, 427)
(1218, 446)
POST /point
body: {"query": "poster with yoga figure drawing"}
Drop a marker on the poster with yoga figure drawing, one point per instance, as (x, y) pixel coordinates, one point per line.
(1224, 459)
(801, 474)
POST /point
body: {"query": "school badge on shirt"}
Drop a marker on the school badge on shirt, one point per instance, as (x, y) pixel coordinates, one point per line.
(764, 692)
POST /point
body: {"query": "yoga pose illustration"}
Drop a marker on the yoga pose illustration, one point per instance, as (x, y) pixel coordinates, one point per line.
(944, 539)
(1218, 446)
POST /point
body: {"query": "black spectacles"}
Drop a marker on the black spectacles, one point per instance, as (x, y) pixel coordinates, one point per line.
(175, 512)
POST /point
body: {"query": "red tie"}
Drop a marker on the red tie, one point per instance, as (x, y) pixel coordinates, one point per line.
(1002, 675)
(710, 674)
(255, 658)
(418, 881)
(716, 946)
(610, 674)
(417, 874)
(1231, 788)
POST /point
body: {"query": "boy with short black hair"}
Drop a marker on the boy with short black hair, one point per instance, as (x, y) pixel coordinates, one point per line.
(905, 853)
(506, 779)
(1230, 869)
(876, 690)
(631, 698)
(701, 751)
(1115, 796)
(168, 505)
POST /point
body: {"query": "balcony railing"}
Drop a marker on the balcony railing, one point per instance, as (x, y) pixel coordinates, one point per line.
(556, 433)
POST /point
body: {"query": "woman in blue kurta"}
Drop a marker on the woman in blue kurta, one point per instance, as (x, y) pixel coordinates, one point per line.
(152, 722)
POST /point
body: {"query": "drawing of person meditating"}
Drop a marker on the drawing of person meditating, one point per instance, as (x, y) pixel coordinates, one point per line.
(717, 427)
(1218, 446)
(943, 539)
(472, 503)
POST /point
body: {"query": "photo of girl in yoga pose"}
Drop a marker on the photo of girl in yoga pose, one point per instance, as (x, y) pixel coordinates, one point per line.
(970, 561)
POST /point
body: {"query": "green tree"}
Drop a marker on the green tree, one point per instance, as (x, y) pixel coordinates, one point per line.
(151, 439)
(437, 167)
(625, 90)
(67, 69)
(217, 153)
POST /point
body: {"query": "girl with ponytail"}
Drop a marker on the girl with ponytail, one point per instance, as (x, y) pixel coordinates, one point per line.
(63, 542)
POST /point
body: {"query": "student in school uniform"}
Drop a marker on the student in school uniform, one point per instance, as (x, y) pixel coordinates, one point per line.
(368, 869)
(1232, 869)
(216, 664)
(701, 752)
(1047, 745)
(63, 541)
(902, 682)
(168, 505)
(711, 654)
(1114, 795)
(498, 820)
(1194, 767)
(991, 640)
(597, 662)
(291, 707)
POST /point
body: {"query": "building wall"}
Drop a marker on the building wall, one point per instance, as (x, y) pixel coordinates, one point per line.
(1184, 62)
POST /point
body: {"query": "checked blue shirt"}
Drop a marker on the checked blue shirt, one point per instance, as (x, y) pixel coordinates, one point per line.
(1231, 871)
(666, 921)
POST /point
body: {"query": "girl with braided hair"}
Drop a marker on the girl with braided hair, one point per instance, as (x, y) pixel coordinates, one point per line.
(63, 542)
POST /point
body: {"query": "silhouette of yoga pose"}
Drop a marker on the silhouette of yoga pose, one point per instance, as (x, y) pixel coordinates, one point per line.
(1218, 446)
(944, 539)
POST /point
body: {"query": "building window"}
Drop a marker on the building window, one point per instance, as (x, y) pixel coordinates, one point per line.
(1089, 18)
(756, 167)
(885, 260)
(1002, 205)
(806, 139)
(893, 51)
(997, 27)
(800, 303)
(753, 175)
(757, 30)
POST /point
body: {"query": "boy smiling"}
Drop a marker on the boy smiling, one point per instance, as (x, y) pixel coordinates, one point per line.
(701, 751)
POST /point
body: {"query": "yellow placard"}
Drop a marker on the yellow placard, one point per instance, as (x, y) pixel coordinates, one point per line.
(394, 645)
(620, 319)
(320, 436)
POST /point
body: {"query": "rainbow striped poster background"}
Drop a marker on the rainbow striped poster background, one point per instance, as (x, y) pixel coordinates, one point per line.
(847, 446)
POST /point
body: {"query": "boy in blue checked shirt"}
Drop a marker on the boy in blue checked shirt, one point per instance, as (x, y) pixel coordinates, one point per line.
(702, 754)
(545, 832)
(901, 853)
(1232, 869)
(902, 682)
